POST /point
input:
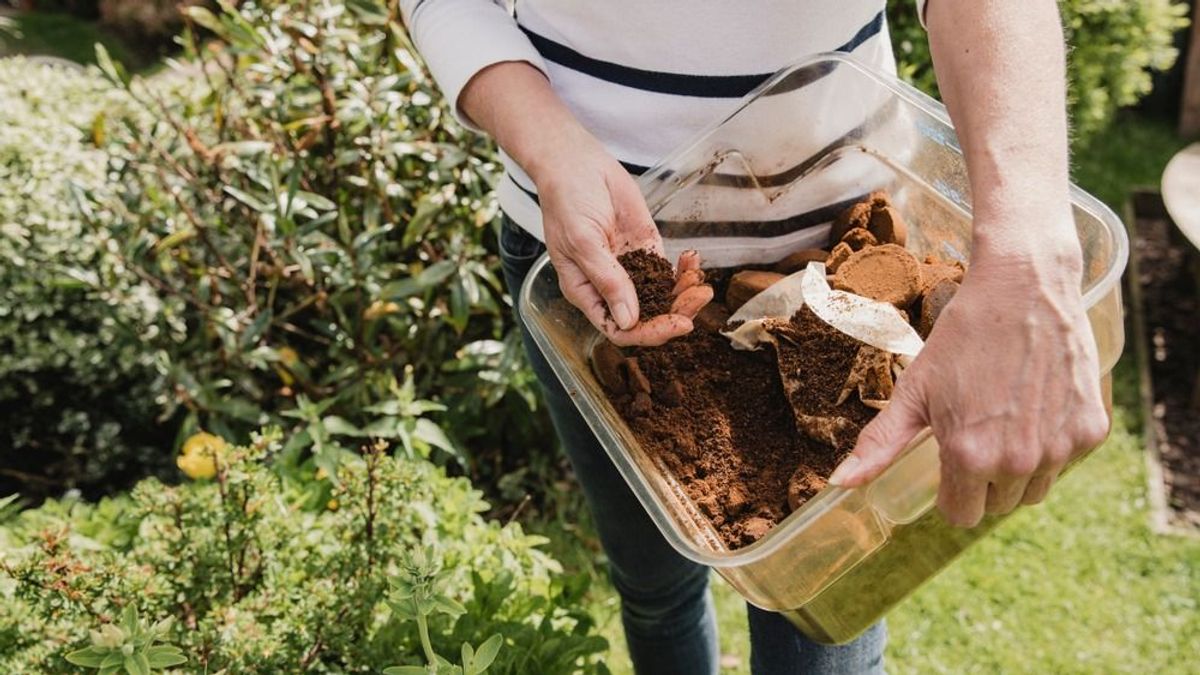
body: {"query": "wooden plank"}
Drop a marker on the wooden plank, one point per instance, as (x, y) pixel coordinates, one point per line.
(1189, 112)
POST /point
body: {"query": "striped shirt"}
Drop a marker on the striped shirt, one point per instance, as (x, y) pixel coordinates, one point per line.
(643, 77)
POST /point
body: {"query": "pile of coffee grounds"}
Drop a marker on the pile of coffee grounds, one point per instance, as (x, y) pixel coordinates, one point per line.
(814, 362)
(739, 430)
(729, 439)
(654, 279)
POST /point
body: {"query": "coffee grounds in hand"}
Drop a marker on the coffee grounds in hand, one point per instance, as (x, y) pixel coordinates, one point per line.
(653, 278)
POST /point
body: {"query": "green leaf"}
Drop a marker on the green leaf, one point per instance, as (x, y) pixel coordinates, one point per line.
(428, 431)
(174, 239)
(405, 670)
(427, 208)
(243, 148)
(486, 654)
(248, 199)
(316, 201)
(426, 279)
(114, 71)
(90, 657)
(165, 656)
(449, 606)
(339, 426)
(136, 664)
(203, 17)
(369, 12)
(468, 658)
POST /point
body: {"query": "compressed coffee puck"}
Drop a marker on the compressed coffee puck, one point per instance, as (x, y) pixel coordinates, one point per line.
(608, 364)
(800, 259)
(858, 239)
(887, 273)
(746, 285)
(888, 227)
(932, 303)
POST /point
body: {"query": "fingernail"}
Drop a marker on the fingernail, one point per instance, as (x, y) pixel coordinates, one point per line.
(845, 470)
(623, 316)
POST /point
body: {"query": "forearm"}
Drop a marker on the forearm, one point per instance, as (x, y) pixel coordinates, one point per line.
(1001, 69)
(515, 104)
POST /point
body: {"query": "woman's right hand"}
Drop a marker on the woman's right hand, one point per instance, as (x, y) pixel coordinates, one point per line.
(592, 212)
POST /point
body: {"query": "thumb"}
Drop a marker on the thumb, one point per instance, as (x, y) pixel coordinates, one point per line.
(881, 441)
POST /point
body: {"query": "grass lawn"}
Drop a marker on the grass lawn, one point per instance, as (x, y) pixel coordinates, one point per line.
(61, 35)
(1079, 584)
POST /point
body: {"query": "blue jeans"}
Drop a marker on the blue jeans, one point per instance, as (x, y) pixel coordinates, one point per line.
(666, 609)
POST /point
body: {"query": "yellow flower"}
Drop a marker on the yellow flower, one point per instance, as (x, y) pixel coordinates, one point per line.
(332, 505)
(200, 452)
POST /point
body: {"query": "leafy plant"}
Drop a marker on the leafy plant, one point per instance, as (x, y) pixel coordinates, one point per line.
(265, 568)
(79, 388)
(129, 647)
(418, 592)
(314, 221)
(1113, 46)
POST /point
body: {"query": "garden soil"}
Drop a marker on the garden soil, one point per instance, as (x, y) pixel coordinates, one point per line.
(1171, 305)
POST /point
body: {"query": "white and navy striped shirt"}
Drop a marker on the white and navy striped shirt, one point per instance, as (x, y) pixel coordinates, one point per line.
(643, 77)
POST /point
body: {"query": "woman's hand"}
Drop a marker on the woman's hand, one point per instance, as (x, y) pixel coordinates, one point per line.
(1009, 383)
(592, 212)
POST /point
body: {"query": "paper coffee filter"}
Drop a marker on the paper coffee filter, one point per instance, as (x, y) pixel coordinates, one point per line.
(878, 324)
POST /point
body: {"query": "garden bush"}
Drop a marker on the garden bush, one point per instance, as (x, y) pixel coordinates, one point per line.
(317, 226)
(79, 389)
(1113, 48)
(288, 224)
(250, 568)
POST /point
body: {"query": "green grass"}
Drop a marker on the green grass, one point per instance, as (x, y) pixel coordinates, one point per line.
(61, 35)
(1080, 584)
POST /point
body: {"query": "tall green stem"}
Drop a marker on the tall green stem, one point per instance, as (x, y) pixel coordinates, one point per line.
(423, 627)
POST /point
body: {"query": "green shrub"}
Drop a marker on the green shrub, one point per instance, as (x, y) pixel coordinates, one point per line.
(314, 221)
(1113, 48)
(78, 387)
(258, 571)
(288, 223)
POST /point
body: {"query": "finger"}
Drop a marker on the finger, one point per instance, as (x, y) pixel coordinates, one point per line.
(657, 331)
(579, 292)
(1005, 495)
(686, 280)
(610, 281)
(881, 441)
(1038, 487)
(690, 302)
(688, 260)
(962, 496)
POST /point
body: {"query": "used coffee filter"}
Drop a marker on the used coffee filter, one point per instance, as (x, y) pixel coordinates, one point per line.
(885, 334)
(878, 324)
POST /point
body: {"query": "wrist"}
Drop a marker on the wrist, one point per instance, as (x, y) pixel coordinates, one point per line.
(560, 150)
(1037, 242)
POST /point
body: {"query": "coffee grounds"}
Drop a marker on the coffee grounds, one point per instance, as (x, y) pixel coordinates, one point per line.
(747, 434)
(721, 424)
(653, 278)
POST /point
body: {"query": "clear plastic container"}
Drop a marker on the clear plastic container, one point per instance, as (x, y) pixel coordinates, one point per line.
(816, 136)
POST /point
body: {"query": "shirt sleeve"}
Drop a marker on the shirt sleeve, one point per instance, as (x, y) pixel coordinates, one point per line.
(921, 13)
(459, 38)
